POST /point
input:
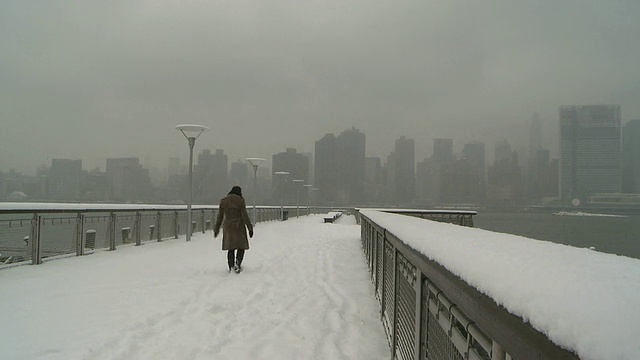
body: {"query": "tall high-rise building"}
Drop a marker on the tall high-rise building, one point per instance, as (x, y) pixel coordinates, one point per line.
(129, 180)
(401, 172)
(351, 150)
(340, 166)
(502, 151)
(64, 182)
(203, 181)
(474, 153)
(372, 179)
(504, 177)
(297, 165)
(631, 157)
(325, 168)
(590, 156)
(442, 150)
(239, 173)
(535, 136)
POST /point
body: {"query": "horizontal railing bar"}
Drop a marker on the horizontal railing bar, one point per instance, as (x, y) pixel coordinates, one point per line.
(107, 210)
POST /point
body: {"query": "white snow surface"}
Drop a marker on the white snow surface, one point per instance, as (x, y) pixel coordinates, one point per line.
(305, 293)
(583, 300)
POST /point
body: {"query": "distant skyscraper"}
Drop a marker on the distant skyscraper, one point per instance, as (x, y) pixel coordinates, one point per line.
(590, 158)
(504, 177)
(351, 150)
(475, 153)
(325, 168)
(239, 173)
(65, 179)
(631, 157)
(502, 151)
(340, 166)
(401, 172)
(129, 180)
(535, 136)
(372, 179)
(296, 164)
(442, 150)
(220, 167)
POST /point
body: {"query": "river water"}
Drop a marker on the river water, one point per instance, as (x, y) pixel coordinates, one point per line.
(614, 235)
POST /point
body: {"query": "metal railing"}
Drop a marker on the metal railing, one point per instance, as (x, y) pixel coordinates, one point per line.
(429, 313)
(35, 235)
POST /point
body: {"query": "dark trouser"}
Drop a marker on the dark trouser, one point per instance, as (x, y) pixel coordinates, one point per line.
(238, 259)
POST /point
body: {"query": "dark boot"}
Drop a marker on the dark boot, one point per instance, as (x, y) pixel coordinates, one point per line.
(230, 257)
(239, 258)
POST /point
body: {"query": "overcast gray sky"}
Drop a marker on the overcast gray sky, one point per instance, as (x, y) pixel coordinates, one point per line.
(96, 79)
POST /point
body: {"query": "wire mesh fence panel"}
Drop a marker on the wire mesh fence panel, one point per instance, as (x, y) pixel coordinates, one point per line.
(379, 264)
(406, 308)
(387, 280)
(439, 345)
(14, 239)
(148, 227)
(57, 235)
(424, 321)
(167, 224)
(96, 232)
(182, 223)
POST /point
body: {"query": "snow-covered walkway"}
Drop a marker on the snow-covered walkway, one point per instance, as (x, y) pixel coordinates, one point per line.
(305, 293)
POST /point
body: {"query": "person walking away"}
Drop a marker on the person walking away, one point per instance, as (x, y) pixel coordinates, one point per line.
(234, 220)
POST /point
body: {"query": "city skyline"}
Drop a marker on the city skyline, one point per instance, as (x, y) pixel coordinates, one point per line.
(340, 167)
(111, 80)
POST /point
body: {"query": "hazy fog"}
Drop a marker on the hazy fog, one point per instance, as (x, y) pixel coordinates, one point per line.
(95, 79)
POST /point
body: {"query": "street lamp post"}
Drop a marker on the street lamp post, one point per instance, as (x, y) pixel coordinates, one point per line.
(255, 162)
(191, 132)
(315, 198)
(308, 186)
(282, 175)
(298, 181)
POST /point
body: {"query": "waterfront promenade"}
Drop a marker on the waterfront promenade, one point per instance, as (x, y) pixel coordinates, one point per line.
(305, 293)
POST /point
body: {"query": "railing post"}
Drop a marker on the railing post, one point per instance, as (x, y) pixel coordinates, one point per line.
(394, 326)
(496, 352)
(138, 225)
(383, 289)
(159, 226)
(418, 320)
(36, 224)
(203, 222)
(175, 224)
(112, 231)
(80, 234)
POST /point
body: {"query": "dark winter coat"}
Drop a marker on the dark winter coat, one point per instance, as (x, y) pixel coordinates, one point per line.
(234, 219)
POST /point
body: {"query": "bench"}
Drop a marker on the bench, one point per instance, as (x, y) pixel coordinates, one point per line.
(332, 216)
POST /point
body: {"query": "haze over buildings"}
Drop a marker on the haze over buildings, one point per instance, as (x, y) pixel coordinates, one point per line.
(97, 80)
(339, 173)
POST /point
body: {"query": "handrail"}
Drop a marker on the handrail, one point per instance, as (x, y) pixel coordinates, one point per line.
(48, 233)
(425, 293)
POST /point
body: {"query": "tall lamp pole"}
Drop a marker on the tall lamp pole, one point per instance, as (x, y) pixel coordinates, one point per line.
(298, 181)
(315, 198)
(282, 175)
(191, 132)
(255, 162)
(308, 186)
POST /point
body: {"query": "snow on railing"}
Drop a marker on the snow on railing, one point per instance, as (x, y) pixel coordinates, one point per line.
(497, 296)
